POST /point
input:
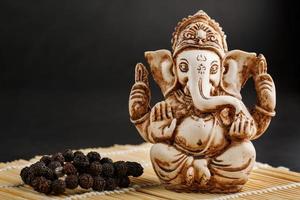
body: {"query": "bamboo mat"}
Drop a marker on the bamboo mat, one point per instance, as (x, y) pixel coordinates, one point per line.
(265, 182)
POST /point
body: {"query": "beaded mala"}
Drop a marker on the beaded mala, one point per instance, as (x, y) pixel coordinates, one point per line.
(53, 174)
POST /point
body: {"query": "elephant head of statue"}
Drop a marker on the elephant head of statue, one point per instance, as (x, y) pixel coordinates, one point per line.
(201, 66)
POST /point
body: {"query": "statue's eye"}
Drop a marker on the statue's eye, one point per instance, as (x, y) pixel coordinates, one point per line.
(214, 69)
(183, 66)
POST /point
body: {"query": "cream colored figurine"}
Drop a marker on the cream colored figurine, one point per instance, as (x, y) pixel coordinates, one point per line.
(202, 130)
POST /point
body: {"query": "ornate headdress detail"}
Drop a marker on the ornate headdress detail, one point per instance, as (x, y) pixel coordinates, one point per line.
(201, 32)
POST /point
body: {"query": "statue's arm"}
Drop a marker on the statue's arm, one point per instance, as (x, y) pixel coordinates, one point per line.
(264, 109)
(156, 124)
(251, 125)
(139, 102)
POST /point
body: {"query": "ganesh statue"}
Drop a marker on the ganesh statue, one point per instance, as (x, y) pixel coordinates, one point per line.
(202, 131)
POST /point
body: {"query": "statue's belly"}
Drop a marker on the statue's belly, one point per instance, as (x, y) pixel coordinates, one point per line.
(200, 136)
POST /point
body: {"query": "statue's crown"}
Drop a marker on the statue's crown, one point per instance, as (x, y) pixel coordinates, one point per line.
(201, 32)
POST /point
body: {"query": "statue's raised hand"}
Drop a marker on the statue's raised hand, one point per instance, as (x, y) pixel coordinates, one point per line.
(139, 98)
(162, 122)
(264, 85)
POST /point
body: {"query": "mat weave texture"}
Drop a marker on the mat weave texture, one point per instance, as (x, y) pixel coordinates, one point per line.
(265, 182)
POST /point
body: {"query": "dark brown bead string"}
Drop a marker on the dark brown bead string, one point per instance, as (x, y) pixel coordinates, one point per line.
(53, 174)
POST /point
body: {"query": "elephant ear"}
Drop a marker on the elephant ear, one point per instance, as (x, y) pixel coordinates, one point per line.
(161, 65)
(237, 69)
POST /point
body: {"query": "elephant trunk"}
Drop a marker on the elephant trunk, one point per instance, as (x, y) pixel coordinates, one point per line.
(200, 89)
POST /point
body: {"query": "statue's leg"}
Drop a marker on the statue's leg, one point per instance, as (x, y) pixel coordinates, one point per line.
(172, 166)
(230, 169)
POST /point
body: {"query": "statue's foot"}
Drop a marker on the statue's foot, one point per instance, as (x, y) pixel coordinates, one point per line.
(202, 173)
(190, 175)
(198, 173)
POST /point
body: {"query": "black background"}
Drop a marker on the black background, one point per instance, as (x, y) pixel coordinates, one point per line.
(67, 68)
